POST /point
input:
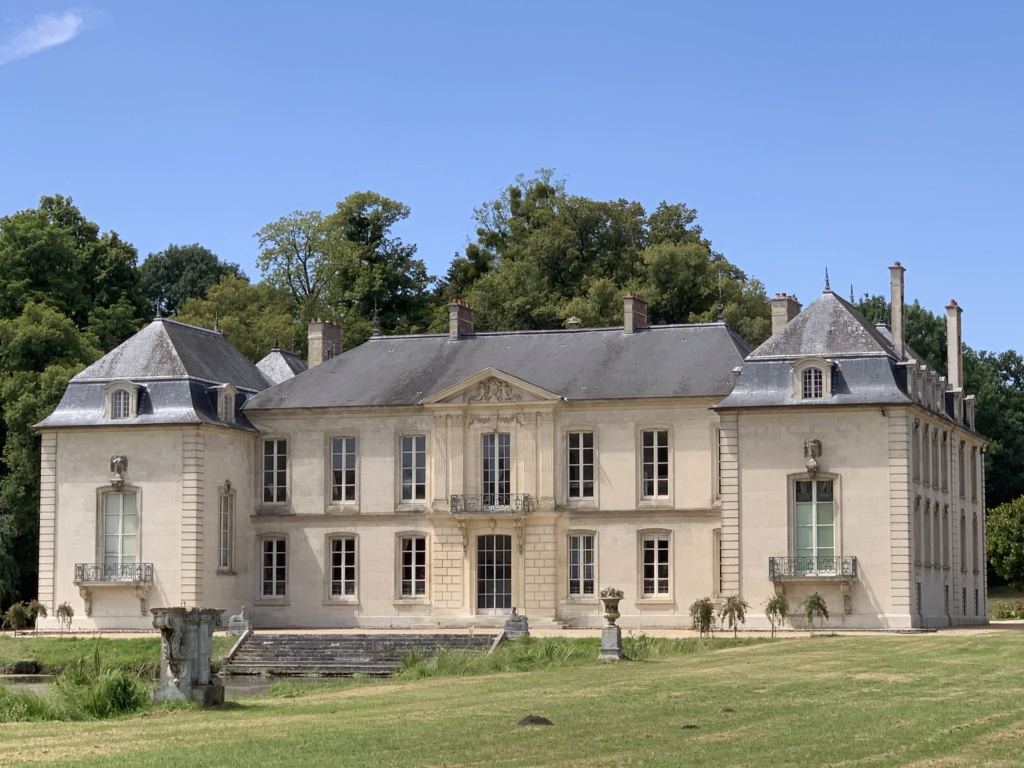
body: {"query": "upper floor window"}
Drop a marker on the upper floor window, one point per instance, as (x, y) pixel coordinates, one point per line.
(580, 465)
(414, 468)
(496, 451)
(655, 564)
(974, 473)
(120, 529)
(120, 404)
(814, 526)
(813, 384)
(343, 469)
(275, 471)
(226, 406)
(812, 378)
(654, 464)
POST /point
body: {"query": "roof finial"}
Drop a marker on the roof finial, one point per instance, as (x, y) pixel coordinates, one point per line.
(216, 321)
(827, 286)
(376, 319)
(721, 301)
(159, 312)
(277, 341)
(851, 294)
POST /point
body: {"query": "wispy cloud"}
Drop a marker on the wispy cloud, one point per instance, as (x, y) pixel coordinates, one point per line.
(47, 32)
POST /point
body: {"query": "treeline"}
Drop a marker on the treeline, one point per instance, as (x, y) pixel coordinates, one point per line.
(540, 255)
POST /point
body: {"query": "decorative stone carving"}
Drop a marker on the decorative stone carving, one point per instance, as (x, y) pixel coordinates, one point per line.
(519, 525)
(142, 593)
(118, 466)
(516, 625)
(493, 389)
(186, 648)
(611, 635)
(812, 449)
(464, 530)
(86, 595)
(239, 624)
(440, 420)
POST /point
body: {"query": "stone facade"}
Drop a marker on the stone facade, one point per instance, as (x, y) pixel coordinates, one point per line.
(441, 480)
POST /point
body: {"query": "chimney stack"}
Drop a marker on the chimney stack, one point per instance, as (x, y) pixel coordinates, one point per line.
(323, 341)
(634, 310)
(954, 347)
(784, 309)
(460, 320)
(897, 313)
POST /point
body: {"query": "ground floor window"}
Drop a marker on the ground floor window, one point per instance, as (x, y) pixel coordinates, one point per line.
(226, 531)
(581, 564)
(343, 567)
(655, 564)
(275, 567)
(413, 575)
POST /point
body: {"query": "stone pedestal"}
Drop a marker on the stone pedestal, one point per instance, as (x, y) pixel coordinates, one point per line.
(611, 635)
(516, 626)
(185, 651)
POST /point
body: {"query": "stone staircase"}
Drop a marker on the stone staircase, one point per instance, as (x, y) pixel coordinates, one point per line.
(338, 655)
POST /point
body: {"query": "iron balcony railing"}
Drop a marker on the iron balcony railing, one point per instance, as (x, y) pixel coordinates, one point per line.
(802, 567)
(129, 573)
(490, 503)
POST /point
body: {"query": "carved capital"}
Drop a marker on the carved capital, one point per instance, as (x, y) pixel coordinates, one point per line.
(440, 419)
(456, 419)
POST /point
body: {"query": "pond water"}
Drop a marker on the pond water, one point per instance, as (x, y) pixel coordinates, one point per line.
(234, 687)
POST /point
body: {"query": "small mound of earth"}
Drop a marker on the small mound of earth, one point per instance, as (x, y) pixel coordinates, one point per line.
(535, 720)
(728, 709)
(689, 726)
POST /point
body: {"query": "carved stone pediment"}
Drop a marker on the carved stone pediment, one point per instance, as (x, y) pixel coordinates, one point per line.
(490, 387)
(493, 390)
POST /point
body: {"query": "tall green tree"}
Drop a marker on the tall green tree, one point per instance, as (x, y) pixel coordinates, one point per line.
(171, 277)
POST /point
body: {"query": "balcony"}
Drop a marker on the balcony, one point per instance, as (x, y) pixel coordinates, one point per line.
(797, 568)
(118, 573)
(490, 504)
(93, 576)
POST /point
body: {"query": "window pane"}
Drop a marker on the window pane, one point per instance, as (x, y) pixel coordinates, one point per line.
(824, 490)
(804, 490)
(825, 514)
(804, 514)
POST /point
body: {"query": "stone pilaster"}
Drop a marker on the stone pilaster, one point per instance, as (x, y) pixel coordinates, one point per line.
(193, 457)
(900, 510)
(439, 460)
(48, 521)
(729, 468)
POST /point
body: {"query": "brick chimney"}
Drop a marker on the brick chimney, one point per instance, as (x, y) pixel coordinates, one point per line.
(897, 313)
(323, 341)
(784, 309)
(954, 347)
(460, 320)
(634, 311)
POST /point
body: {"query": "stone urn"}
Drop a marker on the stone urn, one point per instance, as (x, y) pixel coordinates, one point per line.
(611, 635)
(611, 596)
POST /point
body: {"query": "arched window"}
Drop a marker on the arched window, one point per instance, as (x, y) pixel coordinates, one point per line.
(813, 384)
(120, 404)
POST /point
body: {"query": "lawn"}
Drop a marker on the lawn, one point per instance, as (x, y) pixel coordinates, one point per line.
(920, 700)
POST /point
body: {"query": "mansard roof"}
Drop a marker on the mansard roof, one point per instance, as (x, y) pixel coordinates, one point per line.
(280, 365)
(580, 364)
(177, 369)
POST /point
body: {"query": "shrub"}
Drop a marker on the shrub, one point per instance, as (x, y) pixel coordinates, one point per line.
(16, 617)
(814, 606)
(776, 609)
(733, 610)
(702, 613)
(65, 613)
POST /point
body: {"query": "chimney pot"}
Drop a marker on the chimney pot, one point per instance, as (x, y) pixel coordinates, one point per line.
(460, 320)
(954, 346)
(634, 311)
(784, 309)
(323, 342)
(897, 311)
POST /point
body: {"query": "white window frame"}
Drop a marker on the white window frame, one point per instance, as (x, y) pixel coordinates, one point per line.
(655, 465)
(655, 565)
(816, 526)
(413, 465)
(412, 567)
(226, 530)
(342, 568)
(348, 488)
(274, 480)
(496, 469)
(579, 571)
(120, 400)
(820, 382)
(576, 459)
(132, 554)
(275, 574)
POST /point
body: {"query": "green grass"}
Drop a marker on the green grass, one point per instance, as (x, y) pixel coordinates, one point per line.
(54, 654)
(950, 700)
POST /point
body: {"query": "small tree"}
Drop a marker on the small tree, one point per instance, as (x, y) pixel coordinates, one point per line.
(16, 617)
(776, 609)
(702, 612)
(733, 610)
(36, 610)
(814, 605)
(65, 613)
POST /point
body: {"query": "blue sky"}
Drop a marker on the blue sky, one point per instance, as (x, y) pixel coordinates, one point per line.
(806, 134)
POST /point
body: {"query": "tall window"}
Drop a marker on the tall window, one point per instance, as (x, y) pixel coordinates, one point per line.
(343, 567)
(961, 467)
(497, 469)
(581, 564)
(916, 447)
(974, 543)
(413, 578)
(974, 473)
(654, 464)
(814, 523)
(275, 471)
(120, 404)
(120, 529)
(945, 538)
(813, 384)
(945, 461)
(275, 567)
(655, 564)
(225, 531)
(226, 407)
(343, 469)
(414, 468)
(963, 542)
(935, 458)
(581, 465)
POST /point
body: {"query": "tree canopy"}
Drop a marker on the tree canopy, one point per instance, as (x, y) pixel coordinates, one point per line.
(181, 272)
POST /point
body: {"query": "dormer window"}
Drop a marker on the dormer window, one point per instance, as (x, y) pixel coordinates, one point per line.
(224, 398)
(121, 400)
(812, 379)
(812, 383)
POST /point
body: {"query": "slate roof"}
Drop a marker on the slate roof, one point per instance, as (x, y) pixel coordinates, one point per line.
(176, 367)
(582, 364)
(280, 365)
(865, 366)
